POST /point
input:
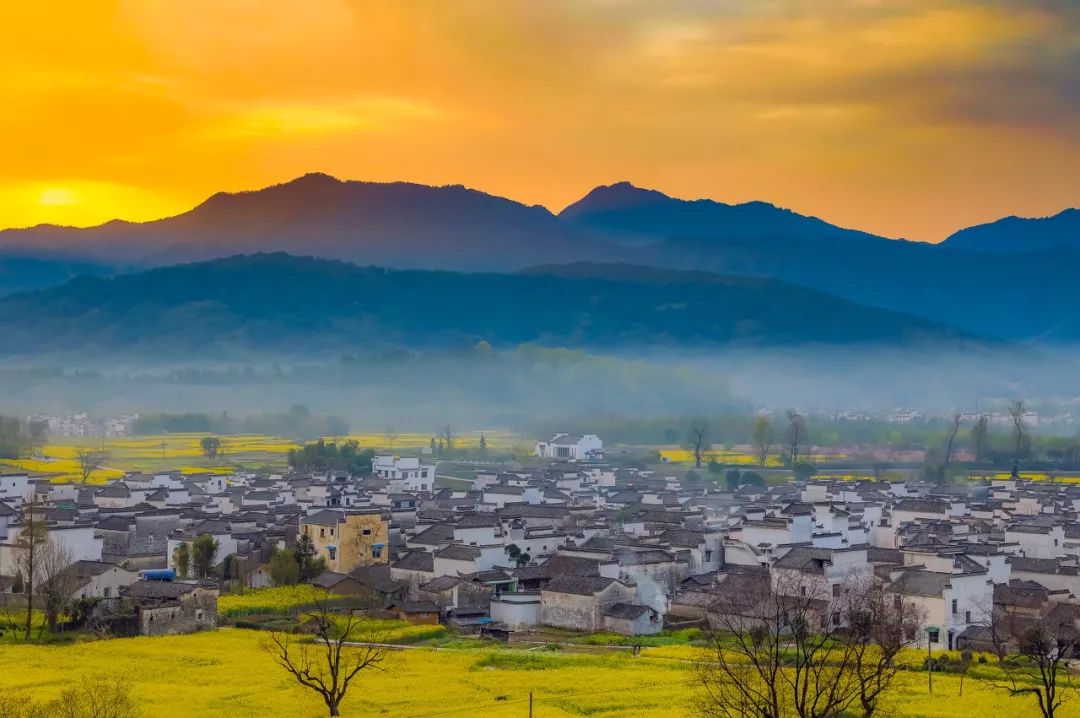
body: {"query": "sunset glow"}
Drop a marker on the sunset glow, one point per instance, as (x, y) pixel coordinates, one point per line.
(899, 118)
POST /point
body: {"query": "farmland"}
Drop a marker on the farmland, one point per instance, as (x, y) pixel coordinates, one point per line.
(166, 452)
(236, 678)
(182, 452)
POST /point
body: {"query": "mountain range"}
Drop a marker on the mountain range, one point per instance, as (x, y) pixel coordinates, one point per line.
(1015, 279)
(283, 304)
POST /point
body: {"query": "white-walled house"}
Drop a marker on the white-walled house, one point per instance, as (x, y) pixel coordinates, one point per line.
(952, 601)
(405, 474)
(571, 447)
(14, 487)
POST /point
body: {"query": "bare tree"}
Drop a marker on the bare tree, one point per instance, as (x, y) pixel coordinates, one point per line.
(954, 429)
(796, 433)
(879, 625)
(391, 436)
(448, 437)
(1017, 409)
(56, 582)
(762, 436)
(90, 460)
(341, 646)
(775, 651)
(1033, 656)
(28, 549)
(697, 438)
(96, 697)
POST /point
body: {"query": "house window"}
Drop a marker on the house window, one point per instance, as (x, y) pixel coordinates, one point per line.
(376, 551)
(198, 615)
(332, 550)
(322, 533)
(967, 616)
(107, 592)
(366, 532)
(836, 618)
(955, 607)
(708, 556)
(802, 590)
(933, 634)
(331, 532)
(836, 590)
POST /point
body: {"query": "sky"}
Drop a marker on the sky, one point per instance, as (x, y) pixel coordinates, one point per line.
(907, 118)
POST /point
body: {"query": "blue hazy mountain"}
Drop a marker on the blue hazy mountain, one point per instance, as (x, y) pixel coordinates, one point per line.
(300, 305)
(1016, 235)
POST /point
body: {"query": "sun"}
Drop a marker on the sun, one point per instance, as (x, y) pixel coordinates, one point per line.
(58, 197)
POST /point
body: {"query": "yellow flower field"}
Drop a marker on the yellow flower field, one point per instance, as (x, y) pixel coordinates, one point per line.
(269, 600)
(225, 673)
(166, 452)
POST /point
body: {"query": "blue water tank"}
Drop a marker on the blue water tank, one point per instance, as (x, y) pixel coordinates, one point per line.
(158, 574)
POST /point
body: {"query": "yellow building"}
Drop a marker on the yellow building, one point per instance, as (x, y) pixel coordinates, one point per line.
(348, 539)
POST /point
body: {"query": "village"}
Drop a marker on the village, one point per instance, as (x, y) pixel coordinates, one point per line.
(572, 544)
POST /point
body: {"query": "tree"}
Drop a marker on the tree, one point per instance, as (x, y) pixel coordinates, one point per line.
(954, 429)
(1039, 666)
(879, 626)
(796, 433)
(697, 438)
(93, 697)
(340, 648)
(1017, 410)
(28, 551)
(391, 436)
(90, 460)
(203, 553)
(230, 568)
(181, 556)
(773, 652)
(211, 446)
(783, 647)
(284, 570)
(97, 697)
(980, 438)
(732, 479)
(305, 555)
(56, 582)
(448, 438)
(37, 435)
(483, 443)
(762, 436)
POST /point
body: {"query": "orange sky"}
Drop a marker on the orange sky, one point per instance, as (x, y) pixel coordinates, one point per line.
(903, 117)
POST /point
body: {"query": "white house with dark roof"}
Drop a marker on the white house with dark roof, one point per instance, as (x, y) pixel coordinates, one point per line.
(571, 447)
(404, 473)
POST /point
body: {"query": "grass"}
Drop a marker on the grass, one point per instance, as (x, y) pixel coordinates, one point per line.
(226, 673)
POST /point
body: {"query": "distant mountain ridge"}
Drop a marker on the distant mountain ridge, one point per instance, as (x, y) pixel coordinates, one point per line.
(964, 283)
(624, 208)
(398, 223)
(1016, 235)
(286, 304)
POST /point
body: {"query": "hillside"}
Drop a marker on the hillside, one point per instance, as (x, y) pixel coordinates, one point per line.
(298, 305)
(1015, 235)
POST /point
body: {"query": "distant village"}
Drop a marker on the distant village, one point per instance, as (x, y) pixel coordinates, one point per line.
(571, 543)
